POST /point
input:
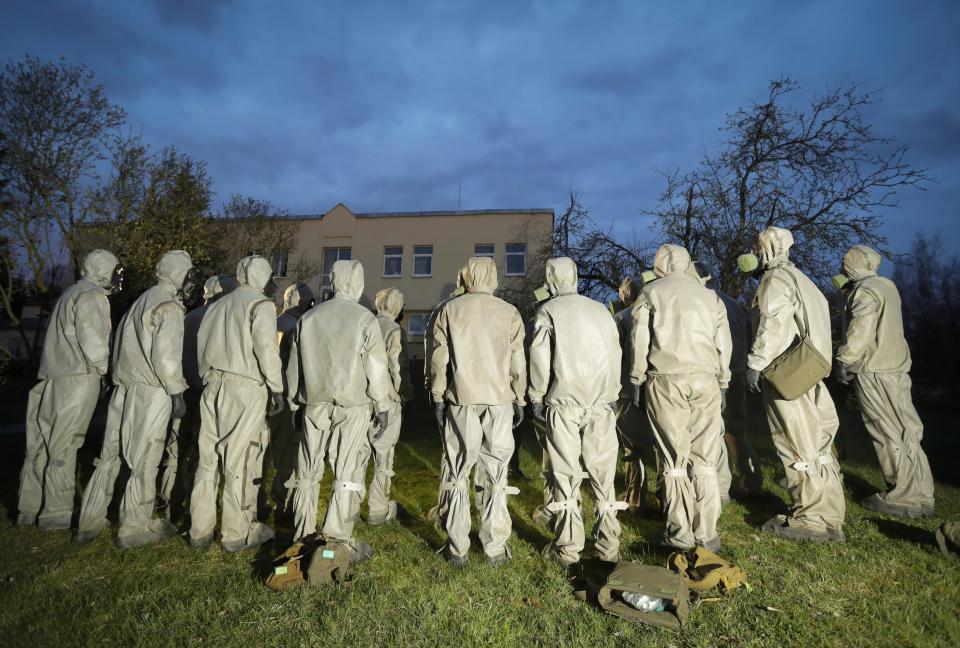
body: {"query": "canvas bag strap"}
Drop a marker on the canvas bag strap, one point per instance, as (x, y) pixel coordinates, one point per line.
(805, 333)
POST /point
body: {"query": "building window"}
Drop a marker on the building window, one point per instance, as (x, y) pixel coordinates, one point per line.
(484, 250)
(278, 261)
(418, 324)
(331, 256)
(393, 261)
(516, 259)
(422, 260)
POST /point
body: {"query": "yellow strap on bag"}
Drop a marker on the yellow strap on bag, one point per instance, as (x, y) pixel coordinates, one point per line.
(704, 570)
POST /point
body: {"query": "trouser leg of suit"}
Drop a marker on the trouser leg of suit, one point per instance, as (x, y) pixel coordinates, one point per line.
(684, 412)
(803, 431)
(382, 451)
(142, 439)
(541, 514)
(171, 462)
(58, 416)
(475, 433)
(233, 430)
(599, 452)
(737, 450)
(284, 449)
(633, 430)
(896, 431)
(310, 463)
(349, 450)
(99, 490)
(180, 461)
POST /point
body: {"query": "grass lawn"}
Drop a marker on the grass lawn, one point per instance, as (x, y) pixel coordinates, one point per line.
(886, 586)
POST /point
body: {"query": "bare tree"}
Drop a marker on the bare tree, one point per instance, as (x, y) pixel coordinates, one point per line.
(54, 121)
(820, 172)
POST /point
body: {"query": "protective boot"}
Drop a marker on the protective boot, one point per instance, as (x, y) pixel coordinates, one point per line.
(780, 526)
(256, 536)
(879, 503)
(157, 530)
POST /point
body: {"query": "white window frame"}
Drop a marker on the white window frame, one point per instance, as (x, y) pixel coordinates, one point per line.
(426, 320)
(506, 260)
(285, 254)
(394, 256)
(492, 254)
(325, 279)
(417, 255)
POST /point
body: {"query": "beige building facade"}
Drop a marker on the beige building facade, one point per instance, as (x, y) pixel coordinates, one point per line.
(419, 253)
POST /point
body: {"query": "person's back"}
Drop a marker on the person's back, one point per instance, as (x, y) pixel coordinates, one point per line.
(482, 336)
(136, 361)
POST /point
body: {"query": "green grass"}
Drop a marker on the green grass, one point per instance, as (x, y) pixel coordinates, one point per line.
(886, 586)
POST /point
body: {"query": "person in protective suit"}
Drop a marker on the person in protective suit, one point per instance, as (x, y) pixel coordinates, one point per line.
(632, 425)
(176, 479)
(240, 364)
(803, 429)
(478, 371)
(574, 387)
(736, 448)
(381, 508)
(681, 351)
(73, 366)
(338, 374)
(148, 390)
(875, 356)
(284, 438)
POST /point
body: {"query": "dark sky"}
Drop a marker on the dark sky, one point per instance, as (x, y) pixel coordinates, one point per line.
(392, 105)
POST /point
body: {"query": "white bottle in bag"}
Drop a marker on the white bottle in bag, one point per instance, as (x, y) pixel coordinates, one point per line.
(643, 602)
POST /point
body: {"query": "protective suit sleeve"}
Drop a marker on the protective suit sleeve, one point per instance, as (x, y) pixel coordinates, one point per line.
(374, 356)
(640, 338)
(518, 361)
(293, 368)
(391, 343)
(541, 356)
(92, 323)
(406, 387)
(865, 310)
(775, 331)
(166, 356)
(724, 343)
(263, 328)
(439, 358)
(616, 363)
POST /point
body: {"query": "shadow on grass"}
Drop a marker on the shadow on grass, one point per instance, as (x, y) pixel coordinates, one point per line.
(896, 530)
(858, 487)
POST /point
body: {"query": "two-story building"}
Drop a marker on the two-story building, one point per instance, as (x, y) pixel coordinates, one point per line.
(418, 252)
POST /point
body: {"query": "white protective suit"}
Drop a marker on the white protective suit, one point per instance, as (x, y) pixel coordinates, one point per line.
(240, 364)
(338, 374)
(147, 371)
(284, 438)
(76, 353)
(389, 303)
(803, 429)
(681, 349)
(575, 369)
(632, 425)
(178, 468)
(479, 371)
(877, 354)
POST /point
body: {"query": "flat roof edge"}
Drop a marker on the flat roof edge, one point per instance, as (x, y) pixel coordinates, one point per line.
(470, 212)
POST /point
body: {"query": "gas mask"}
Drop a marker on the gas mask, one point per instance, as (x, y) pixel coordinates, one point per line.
(839, 281)
(116, 279)
(270, 290)
(749, 264)
(399, 316)
(541, 294)
(188, 289)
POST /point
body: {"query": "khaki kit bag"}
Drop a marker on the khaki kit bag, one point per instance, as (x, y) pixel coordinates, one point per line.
(315, 560)
(652, 581)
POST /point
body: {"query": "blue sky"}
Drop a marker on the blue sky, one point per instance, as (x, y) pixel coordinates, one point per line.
(390, 106)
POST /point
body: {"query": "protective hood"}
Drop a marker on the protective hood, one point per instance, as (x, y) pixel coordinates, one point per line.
(561, 276)
(254, 271)
(389, 302)
(347, 279)
(773, 246)
(480, 275)
(297, 295)
(173, 267)
(671, 259)
(860, 262)
(629, 290)
(98, 267)
(218, 285)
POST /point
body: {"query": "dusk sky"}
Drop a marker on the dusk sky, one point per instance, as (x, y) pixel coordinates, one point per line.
(390, 106)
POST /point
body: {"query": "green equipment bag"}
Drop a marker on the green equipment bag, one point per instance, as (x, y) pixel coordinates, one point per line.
(798, 369)
(315, 560)
(948, 538)
(703, 570)
(650, 580)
